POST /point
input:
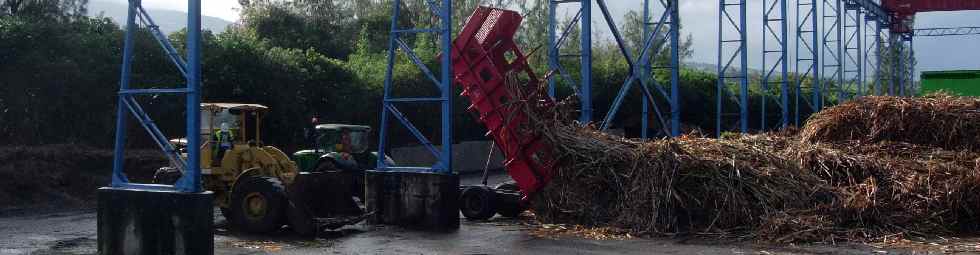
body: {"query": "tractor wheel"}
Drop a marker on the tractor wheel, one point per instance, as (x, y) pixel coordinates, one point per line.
(257, 205)
(477, 203)
(166, 175)
(325, 166)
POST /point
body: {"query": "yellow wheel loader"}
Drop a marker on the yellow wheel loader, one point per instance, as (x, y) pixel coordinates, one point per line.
(258, 188)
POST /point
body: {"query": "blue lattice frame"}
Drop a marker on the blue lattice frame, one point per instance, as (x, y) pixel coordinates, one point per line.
(190, 69)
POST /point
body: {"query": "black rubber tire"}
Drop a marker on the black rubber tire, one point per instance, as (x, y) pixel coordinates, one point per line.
(166, 175)
(477, 203)
(508, 186)
(325, 166)
(264, 221)
(510, 211)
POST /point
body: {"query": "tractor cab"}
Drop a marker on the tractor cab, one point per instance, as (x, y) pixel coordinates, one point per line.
(337, 146)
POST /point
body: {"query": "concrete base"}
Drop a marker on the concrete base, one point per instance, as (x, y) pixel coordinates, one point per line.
(417, 200)
(155, 222)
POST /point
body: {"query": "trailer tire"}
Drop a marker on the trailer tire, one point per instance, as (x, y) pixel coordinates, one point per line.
(477, 203)
(511, 211)
(508, 186)
(257, 205)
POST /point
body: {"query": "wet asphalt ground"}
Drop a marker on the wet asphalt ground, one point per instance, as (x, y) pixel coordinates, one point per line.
(74, 232)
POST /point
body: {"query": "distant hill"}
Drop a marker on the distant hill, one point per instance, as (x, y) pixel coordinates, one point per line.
(168, 20)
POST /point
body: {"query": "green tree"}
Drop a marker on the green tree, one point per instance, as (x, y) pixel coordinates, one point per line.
(61, 9)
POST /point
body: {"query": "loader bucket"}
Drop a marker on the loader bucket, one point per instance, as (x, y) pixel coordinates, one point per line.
(323, 200)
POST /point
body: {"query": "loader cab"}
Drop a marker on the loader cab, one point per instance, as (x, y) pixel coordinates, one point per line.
(244, 121)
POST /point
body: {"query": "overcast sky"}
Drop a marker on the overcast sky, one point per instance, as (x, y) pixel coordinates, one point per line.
(700, 19)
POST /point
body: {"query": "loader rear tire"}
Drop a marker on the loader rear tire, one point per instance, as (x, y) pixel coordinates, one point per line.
(257, 205)
(477, 203)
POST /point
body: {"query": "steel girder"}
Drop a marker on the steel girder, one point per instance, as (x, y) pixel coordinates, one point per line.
(730, 48)
(774, 55)
(443, 82)
(190, 69)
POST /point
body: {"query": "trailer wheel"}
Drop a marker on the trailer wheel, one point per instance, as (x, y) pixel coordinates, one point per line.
(510, 211)
(508, 186)
(257, 205)
(477, 203)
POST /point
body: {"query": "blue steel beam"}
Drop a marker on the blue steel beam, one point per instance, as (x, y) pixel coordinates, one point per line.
(946, 31)
(900, 73)
(914, 89)
(725, 62)
(645, 74)
(552, 47)
(907, 81)
(774, 29)
(443, 82)
(584, 86)
(173, 155)
(640, 72)
(118, 176)
(164, 42)
(807, 56)
(851, 62)
(879, 42)
(871, 56)
(887, 65)
(832, 48)
(874, 10)
(675, 67)
(585, 92)
(190, 181)
(554, 50)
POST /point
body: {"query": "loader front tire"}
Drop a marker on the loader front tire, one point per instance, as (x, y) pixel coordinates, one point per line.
(257, 205)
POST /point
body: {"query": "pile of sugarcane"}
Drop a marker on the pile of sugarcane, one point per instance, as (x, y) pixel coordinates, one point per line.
(938, 120)
(834, 183)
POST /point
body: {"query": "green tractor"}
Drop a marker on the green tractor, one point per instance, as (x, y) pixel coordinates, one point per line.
(340, 148)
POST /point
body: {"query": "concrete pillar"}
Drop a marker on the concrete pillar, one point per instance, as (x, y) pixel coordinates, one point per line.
(155, 222)
(428, 201)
